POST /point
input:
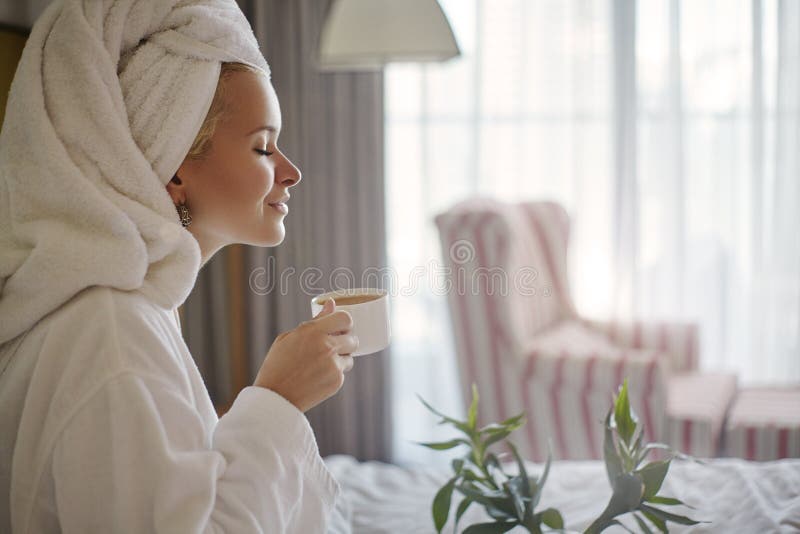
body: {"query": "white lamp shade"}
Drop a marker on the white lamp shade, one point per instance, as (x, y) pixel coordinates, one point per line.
(367, 34)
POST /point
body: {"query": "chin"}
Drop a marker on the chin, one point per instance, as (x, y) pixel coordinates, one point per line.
(271, 237)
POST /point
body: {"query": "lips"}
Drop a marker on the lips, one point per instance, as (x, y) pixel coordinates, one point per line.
(280, 206)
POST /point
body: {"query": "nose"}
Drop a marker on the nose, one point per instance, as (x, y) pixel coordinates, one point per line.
(290, 175)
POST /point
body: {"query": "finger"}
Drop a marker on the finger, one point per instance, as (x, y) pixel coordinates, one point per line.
(338, 321)
(346, 343)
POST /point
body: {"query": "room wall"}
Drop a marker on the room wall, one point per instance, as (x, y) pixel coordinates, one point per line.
(21, 13)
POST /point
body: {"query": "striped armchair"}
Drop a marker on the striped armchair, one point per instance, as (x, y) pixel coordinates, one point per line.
(520, 339)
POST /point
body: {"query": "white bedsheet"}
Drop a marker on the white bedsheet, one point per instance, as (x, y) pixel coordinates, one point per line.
(736, 496)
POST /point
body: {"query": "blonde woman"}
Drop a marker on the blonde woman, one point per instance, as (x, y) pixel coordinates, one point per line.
(141, 137)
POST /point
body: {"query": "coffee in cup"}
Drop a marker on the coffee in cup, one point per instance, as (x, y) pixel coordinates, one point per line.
(348, 300)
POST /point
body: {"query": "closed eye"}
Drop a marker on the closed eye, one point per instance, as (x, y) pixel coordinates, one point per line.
(264, 152)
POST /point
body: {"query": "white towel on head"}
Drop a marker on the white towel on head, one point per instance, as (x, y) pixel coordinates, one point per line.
(105, 104)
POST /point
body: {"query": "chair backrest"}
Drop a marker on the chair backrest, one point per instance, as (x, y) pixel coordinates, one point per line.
(507, 269)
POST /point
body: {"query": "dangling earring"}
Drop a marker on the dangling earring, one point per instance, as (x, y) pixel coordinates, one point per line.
(183, 213)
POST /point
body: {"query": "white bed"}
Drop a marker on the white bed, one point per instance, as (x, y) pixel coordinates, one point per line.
(736, 496)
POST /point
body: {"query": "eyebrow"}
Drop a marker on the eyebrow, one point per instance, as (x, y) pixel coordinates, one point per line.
(269, 128)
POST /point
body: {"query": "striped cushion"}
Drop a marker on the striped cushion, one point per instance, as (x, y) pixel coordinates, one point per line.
(566, 352)
(573, 337)
(680, 340)
(696, 407)
(764, 424)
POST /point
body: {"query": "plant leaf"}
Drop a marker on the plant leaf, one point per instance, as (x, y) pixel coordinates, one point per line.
(441, 504)
(533, 482)
(615, 522)
(667, 516)
(513, 490)
(476, 455)
(523, 474)
(469, 474)
(675, 454)
(667, 501)
(622, 414)
(491, 427)
(631, 451)
(638, 436)
(537, 492)
(494, 527)
(443, 445)
(516, 422)
(612, 460)
(434, 410)
(653, 475)
(457, 465)
(627, 496)
(494, 437)
(499, 515)
(636, 449)
(642, 524)
(552, 518)
(492, 460)
(472, 415)
(462, 507)
(496, 502)
(461, 425)
(520, 464)
(657, 521)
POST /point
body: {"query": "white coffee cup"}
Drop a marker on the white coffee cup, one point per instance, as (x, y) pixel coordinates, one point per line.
(370, 317)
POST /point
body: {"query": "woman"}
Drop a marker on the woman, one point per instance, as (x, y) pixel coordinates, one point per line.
(141, 138)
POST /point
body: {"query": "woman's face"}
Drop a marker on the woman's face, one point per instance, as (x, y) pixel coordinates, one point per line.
(233, 192)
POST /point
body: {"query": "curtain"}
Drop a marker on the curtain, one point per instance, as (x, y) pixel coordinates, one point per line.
(335, 235)
(670, 131)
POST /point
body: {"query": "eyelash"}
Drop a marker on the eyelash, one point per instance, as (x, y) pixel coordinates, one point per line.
(264, 152)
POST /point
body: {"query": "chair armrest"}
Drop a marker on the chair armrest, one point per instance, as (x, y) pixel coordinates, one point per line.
(680, 340)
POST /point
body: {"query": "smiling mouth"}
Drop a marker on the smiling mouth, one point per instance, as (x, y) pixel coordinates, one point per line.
(280, 206)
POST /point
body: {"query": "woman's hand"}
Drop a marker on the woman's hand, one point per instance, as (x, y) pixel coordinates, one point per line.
(307, 365)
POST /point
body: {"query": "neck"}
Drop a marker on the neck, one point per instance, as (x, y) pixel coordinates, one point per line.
(209, 245)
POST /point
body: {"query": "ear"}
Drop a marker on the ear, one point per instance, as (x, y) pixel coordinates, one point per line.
(177, 190)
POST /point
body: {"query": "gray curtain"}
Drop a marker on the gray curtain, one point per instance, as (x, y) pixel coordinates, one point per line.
(246, 296)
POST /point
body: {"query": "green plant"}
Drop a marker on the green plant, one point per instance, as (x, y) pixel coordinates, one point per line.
(480, 478)
(512, 500)
(635, 484)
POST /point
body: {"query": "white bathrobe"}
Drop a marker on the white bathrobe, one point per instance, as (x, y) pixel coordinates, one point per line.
(105, 423)
(106, 426)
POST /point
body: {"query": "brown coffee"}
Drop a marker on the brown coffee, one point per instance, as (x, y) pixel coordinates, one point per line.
(349, 300)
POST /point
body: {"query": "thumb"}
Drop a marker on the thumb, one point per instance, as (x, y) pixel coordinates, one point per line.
(327, 308)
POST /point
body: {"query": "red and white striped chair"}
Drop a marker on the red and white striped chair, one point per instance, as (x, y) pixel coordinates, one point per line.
(520, 339)
(764, 424)
(697, 404)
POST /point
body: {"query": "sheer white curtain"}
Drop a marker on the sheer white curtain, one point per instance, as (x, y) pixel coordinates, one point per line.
(670, 131)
